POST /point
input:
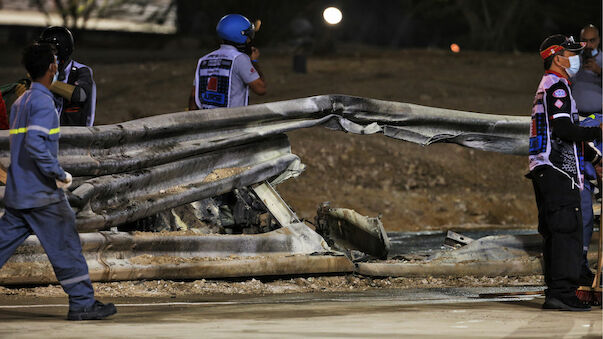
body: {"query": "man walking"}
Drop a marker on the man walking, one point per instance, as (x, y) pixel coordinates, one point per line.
(34, 199)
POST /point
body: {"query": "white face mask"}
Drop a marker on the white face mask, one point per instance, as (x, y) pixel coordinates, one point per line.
(56, 74)
(574, 65)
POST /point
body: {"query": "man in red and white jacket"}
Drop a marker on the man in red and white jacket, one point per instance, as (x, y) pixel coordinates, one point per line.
(557, 153)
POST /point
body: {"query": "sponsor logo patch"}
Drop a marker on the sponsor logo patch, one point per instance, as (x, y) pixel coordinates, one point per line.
(559, 93)
(558, 103)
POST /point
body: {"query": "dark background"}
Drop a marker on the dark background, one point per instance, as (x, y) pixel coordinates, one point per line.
(510, 25)
(474, 24)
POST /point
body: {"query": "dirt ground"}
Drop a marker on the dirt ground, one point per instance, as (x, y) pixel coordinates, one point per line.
(412, 187)
(348, 283)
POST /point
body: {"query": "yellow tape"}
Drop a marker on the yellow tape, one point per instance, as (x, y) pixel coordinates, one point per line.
(24, 130)
(18, 130)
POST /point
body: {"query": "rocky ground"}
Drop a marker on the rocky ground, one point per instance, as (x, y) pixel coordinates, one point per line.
(348, 283)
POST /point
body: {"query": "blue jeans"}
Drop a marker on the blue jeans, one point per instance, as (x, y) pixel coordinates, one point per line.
(54, 225)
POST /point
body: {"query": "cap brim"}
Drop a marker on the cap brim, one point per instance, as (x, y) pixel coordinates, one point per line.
(574, 46)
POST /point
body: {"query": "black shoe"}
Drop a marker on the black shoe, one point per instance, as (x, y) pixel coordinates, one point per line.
(571, 304)
(97, 311)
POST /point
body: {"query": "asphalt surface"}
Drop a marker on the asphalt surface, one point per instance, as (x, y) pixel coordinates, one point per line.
(451, 312)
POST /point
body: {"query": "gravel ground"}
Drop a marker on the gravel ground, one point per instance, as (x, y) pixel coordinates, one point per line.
(347, 283)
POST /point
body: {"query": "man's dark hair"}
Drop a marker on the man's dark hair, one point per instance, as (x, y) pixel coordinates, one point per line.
(553, 40)
(549, 61)
(37, 57)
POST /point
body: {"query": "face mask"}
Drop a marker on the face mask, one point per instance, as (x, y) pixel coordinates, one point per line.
(56, 74)
(574, 65)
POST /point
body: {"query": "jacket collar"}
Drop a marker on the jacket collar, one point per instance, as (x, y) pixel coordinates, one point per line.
(36, 86)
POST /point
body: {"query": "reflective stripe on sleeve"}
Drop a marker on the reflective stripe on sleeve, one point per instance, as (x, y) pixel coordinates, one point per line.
(561, 115)
(34, 128)
(38, 128)
(17, 130)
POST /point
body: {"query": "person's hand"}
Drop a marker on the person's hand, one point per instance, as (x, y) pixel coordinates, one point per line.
(255, 53)
(591, 65)
(65, 183)
(598, 169)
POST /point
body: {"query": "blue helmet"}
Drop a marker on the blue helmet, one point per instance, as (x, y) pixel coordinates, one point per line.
(235, 28)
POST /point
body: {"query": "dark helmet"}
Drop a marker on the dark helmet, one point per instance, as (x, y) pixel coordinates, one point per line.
(62, 38)
(557, 43)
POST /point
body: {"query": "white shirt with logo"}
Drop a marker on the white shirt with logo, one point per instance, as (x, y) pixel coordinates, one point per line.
(222, 78)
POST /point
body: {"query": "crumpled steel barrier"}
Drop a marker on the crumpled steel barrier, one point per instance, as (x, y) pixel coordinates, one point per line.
(345, 230)
(134, 169)
(491, 256)
(114, 256)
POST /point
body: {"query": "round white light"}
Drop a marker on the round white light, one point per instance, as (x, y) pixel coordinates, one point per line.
(332, 15)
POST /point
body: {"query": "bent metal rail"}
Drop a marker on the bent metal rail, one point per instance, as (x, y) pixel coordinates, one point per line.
(131, 170)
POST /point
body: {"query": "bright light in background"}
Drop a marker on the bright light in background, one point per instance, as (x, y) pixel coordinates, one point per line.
(455, 48)
(332, 15)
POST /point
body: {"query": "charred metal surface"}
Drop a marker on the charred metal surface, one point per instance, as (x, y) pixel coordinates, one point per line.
(494, 248)
(128, 171)
(275, 204)
(488, 256)
(345, 229)
(125, 256)
(456, 240)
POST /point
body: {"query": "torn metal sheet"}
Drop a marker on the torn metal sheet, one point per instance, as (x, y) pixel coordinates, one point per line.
(347, 230)
(494, 248)
(124, 256)
(488, 256)
(456, 240)
(131, 170)
(136, 144)
(112, 200)
(275, 204)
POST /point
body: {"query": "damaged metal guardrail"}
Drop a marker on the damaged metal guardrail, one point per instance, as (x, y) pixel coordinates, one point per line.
(491, 256)
(113, 256)
(127, 171)
(345, 230)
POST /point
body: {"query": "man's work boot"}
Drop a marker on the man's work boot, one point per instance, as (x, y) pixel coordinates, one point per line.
(97, 311)
(569, 304)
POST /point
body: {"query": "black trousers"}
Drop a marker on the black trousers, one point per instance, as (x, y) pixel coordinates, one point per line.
(560, 224)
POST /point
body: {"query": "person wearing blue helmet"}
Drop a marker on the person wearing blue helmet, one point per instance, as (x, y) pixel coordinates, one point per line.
(223, 77)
